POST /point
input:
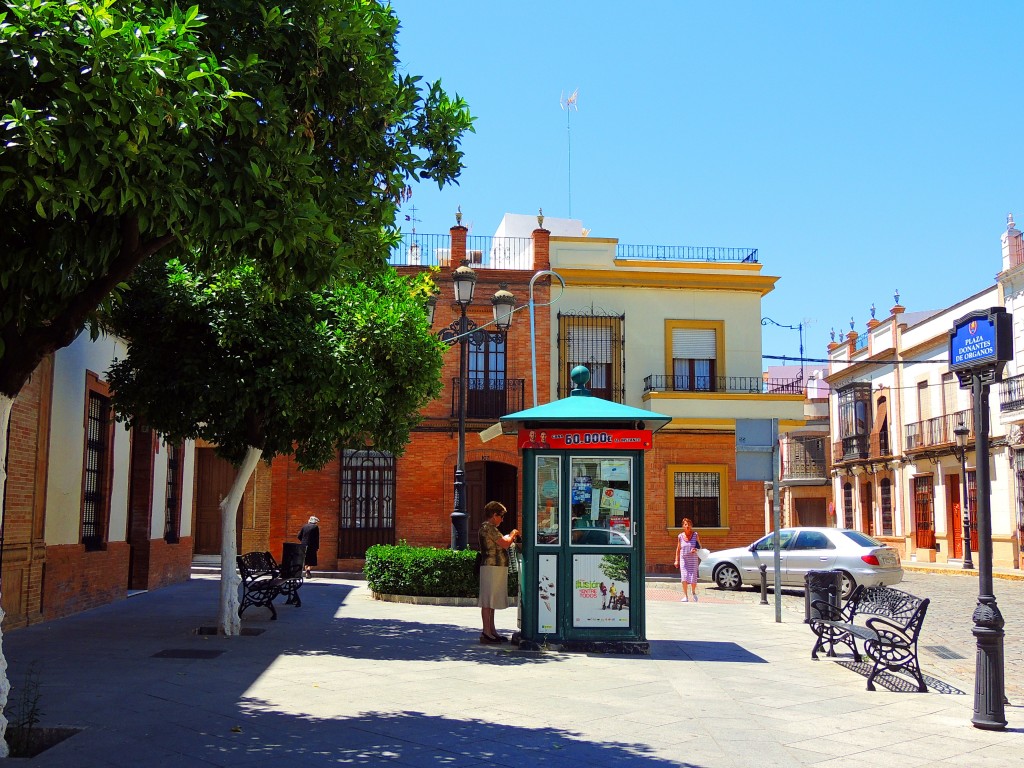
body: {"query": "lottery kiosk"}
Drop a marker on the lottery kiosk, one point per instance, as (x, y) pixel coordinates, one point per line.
(583, 567)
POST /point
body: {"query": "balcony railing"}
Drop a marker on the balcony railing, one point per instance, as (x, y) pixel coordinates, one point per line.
(1011, 394)
(734, 384)
(481, 252)
(803, 468)
(685, 253)
(851, 447)
(880, 444)
(938, 431)
(489, 399)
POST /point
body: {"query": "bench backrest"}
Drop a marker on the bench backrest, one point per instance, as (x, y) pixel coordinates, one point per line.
(255, 564)
(899, 607)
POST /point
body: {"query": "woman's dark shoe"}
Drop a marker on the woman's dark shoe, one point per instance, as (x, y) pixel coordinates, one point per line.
(500, 638)
(488, 640)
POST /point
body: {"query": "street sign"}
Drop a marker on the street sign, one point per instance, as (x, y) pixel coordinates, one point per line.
(755, 442)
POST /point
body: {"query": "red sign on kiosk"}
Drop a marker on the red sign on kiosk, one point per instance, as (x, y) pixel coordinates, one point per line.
(592, 439)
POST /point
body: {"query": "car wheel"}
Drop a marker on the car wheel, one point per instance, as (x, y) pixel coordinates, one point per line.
(728, 577)
(847, 585)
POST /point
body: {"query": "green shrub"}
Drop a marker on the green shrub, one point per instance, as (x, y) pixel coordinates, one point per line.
(404, 570)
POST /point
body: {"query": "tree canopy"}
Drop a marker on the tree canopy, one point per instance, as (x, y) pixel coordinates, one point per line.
(280, 134)
(207, 358)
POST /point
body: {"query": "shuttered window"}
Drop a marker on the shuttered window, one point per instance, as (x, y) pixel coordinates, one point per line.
(693, 359)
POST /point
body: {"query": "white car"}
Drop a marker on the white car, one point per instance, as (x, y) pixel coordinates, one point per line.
(860, 558)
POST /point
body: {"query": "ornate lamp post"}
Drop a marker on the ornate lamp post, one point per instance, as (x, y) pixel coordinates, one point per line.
(960, 451)
(461, 332)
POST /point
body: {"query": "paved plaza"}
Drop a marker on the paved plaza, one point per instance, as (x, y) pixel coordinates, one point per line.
(348, 680)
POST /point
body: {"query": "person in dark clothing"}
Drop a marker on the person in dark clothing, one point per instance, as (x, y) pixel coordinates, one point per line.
(309, 535)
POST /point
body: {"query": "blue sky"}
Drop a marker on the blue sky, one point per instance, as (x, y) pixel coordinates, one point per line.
(861, 147)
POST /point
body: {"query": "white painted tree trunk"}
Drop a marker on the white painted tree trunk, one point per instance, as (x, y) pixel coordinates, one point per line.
(230, 623)
(6, 404)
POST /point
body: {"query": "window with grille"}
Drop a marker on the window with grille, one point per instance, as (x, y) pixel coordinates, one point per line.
(367, 489)
(96, 472)
(485, 381)
(172, 496)
(595, 341)
(698, 496)
(885, 497)
(694, 364)
(924, 518)
(848, 505)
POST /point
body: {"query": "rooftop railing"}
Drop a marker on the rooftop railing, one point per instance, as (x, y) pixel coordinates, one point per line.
(686, 253)
(481, 252)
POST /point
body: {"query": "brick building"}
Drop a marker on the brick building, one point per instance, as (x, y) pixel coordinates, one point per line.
(91, 510)
(686, 319)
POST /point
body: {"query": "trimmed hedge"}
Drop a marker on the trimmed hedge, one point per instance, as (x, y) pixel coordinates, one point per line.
(401, 569)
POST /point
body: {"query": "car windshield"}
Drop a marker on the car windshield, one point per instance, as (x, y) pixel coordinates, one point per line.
(863, 539)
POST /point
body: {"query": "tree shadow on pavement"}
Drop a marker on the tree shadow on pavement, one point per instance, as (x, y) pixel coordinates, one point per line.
(410, 738)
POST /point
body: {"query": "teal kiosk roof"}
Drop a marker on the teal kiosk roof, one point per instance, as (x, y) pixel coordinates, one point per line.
(582, 408)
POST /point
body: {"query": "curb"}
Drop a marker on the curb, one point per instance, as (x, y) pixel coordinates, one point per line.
(461, 602)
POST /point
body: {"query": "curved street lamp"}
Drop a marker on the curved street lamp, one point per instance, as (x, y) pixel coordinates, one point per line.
(800, 328)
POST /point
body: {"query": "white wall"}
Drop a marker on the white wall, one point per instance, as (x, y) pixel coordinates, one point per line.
(67, 443)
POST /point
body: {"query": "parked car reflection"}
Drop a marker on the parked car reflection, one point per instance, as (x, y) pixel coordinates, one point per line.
(599, 537)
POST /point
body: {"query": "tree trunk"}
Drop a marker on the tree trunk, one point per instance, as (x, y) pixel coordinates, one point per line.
(6, 404)
(230, 623)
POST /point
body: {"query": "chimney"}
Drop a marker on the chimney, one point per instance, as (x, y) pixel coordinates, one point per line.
(1013, 245)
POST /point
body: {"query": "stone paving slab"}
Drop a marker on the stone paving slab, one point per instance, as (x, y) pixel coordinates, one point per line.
(347, 680)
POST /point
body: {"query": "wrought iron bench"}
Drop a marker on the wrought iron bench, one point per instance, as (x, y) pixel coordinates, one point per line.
(892, 622)
(263, 580)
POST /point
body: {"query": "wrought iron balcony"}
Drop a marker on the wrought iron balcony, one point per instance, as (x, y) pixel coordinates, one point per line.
(488, 398)
(1011, 394)
(851, 447)
(732, 384)
(803, 468)
(938, 431)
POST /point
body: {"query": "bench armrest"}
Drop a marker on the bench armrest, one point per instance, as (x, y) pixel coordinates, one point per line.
(888, 629)
(828, 610)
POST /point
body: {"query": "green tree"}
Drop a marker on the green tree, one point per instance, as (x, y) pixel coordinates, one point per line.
(278, 131)
(281, 132)
(209, 357)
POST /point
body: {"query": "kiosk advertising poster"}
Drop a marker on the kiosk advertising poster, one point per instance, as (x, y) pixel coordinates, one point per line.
(600, 590)
(547, 607)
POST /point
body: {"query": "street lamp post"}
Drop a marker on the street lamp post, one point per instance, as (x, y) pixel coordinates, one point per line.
(800, 328)
(461, 331)
(961, 433)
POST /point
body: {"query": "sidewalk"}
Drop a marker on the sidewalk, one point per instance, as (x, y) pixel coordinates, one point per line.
(349, 680)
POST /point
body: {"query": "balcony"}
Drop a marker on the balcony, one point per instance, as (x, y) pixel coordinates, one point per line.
(851, 448)
(729, 384)
(938, 432)
(488, 398)
(1011, 394)
(803, 470)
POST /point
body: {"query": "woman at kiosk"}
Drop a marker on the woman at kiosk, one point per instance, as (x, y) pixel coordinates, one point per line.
(494, 569)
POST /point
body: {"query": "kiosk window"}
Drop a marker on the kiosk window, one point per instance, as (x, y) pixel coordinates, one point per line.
(601, 504)
(546, 506)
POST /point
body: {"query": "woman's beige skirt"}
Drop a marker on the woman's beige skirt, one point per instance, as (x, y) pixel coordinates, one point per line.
(493, 586)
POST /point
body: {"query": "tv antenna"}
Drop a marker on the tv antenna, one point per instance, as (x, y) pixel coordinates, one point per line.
(569, 104)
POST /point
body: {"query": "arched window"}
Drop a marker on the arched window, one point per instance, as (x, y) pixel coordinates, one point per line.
(848, 505)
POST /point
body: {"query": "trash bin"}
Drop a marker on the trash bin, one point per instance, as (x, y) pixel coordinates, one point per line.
(821, 585)
(293, 557)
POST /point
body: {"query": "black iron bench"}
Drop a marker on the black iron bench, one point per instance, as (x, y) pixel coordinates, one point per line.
(263, 579)
(891, 624)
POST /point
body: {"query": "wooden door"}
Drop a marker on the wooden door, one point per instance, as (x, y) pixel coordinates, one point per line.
(810, 512)
(214, 476)
(867, 518)
(954, 516)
